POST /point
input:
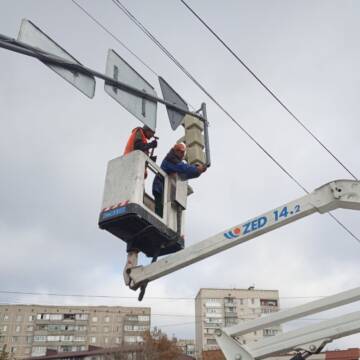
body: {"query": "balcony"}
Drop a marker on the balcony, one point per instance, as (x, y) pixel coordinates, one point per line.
(212, 325)
(213, 315)
(231, 314)
(213, 304)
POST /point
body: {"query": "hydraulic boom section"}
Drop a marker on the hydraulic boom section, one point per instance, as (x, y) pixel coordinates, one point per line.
(305, 341)
(336, 194)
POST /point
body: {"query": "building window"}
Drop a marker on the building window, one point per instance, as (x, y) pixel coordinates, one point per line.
(268, 302)
(94, 319)
(230, 321)
(69, 317)
(4, 328)
(53, 338)
(39, 338)
(56, 317)
(93, 339)
(213, 303)
(107, 319)
(14, 339)
(269, 332)
(31, 318)
(18, 328)
(13, 349)
(106, 340)
(18, 318)
(65, 348)
(93, 329)
(38, 351)
(41, 317)
(211, 342)
(79, 338)
(130, 339)
(106, 329)
(117, 340)
(144, 318)
(30, 328)
(6, 317)
(29, 339)
(81, 316)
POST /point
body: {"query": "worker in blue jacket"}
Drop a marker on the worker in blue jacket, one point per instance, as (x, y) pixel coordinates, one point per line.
(173, 164)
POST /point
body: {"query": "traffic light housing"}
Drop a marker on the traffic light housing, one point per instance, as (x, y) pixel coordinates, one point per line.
(194, 140)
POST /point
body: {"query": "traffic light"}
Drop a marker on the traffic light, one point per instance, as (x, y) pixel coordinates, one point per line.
(194, 140)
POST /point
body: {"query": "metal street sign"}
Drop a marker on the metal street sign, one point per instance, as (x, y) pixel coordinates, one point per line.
(118, 69)
(30, 34)
(171, 96)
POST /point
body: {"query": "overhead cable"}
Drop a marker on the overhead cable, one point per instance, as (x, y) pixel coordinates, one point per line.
(191, 77)
(114, 37)
(277, 99)
(15, 292)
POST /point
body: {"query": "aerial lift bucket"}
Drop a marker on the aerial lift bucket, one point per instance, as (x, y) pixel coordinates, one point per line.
(128, 212)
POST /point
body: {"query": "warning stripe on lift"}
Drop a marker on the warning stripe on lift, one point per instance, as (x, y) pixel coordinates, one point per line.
(120, 204)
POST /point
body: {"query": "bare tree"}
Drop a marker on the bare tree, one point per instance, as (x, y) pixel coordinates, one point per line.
(158, 347)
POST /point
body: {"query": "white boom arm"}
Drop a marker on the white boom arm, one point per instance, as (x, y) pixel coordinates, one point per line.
(309, 339)
(337, 194)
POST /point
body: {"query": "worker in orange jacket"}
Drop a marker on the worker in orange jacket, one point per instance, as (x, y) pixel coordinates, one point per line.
(138, 140)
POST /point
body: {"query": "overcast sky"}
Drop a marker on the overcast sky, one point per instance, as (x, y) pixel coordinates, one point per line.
(55, 144)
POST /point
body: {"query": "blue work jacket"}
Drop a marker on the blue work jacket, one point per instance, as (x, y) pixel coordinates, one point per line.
(187, 171)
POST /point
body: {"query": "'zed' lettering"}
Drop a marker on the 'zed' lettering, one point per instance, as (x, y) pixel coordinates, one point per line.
(254, 225)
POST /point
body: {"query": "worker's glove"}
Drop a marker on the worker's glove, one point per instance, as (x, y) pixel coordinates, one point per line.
(153, 144)
(201, 168)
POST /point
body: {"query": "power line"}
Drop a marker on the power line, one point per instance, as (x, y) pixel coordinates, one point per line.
(33, 293)
(276, 98)
(114, 37)
(191, 77)
(153, 38)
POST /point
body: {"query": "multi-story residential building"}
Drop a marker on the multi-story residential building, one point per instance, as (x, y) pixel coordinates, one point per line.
(29, 330)
(225, 307)
(187, 346)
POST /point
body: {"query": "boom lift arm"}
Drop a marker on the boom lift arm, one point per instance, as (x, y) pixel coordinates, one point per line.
(336, 194)
(305, 341)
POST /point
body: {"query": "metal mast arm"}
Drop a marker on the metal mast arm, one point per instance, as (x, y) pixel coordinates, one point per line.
(337, 194)
(51, 59)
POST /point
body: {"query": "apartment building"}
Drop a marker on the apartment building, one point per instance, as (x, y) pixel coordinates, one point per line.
(187, 346)
(31, 330)
(216, 308)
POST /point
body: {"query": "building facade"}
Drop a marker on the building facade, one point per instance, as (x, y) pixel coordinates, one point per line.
(216, 308)
(31, 330)
(187, 346)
